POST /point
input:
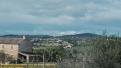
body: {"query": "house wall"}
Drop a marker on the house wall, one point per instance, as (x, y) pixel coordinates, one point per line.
(11, 49)
(14, 49)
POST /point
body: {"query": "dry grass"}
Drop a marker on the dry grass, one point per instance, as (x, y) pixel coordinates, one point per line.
(27, 66)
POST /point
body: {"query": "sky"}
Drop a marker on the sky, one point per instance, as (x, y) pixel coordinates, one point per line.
(58, 17)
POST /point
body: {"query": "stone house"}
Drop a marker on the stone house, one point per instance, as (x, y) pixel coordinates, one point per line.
(14, 46)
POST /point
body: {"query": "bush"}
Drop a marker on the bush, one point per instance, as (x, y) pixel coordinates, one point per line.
(106, 52)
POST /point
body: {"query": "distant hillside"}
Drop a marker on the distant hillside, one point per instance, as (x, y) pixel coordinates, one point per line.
(79, 36)
(28, 36)
(76, 36)
(83, 35)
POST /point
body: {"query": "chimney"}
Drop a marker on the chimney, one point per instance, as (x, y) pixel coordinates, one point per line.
(24, 37)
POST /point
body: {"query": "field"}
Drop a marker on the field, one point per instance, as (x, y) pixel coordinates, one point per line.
(28, 66)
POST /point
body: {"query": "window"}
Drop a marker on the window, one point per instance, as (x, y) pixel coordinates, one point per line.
(11, 47)
(2, 46)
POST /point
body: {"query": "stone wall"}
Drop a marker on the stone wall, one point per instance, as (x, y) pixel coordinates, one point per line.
(11, 49)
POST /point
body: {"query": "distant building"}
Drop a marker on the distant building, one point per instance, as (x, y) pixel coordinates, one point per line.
(14, 46)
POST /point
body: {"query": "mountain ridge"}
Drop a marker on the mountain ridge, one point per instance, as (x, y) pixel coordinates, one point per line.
(81, 35)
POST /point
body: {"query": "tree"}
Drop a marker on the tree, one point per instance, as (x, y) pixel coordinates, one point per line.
(52, 54)
(5, 57)
(106, 52)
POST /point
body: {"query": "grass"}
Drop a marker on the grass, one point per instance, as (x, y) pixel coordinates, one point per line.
(27, 66)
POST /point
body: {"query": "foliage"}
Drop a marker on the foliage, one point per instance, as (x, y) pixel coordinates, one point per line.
(52, 54)
(5, 57)
(99, 52)
(106, 52)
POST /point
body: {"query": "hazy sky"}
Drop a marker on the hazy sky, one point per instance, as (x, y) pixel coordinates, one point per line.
(59, 16)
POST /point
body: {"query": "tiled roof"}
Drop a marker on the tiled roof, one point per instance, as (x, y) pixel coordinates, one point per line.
(10, 40)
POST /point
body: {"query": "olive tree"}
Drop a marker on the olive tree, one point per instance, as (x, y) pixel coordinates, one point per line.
(106, 52)
(5, 57)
